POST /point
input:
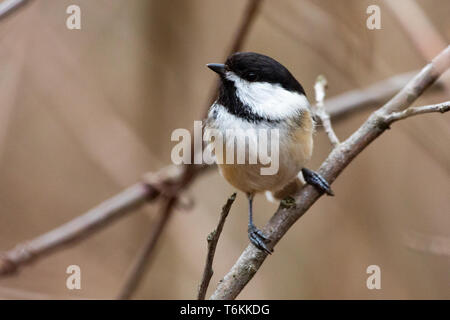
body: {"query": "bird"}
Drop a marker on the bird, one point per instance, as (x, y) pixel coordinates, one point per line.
(256, 92)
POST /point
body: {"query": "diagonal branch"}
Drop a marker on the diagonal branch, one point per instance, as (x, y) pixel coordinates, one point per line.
(213, 238)
(340, 157)
(9, 6)
(349, 102)
(171, 181)
(144, 257)
(78, 228)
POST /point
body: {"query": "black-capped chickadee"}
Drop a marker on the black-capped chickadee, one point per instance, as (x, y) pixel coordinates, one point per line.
(257, 92)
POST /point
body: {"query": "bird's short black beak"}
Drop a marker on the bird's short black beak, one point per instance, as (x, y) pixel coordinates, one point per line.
(217, 67)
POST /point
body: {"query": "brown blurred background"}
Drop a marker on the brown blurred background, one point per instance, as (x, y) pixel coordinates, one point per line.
(85, 113)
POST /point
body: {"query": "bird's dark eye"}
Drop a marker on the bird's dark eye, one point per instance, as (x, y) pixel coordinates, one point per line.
(250, 76)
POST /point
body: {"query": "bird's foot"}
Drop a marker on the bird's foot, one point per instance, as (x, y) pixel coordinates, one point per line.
(258, 238)
(316, 180)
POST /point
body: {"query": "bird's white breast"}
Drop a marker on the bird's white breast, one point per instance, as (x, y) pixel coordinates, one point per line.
(247, 178)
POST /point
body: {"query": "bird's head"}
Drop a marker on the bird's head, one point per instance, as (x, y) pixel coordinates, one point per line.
(253, 67)
(258, 84)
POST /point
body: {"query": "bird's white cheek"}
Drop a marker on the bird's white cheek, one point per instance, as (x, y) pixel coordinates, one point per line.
(268, 100)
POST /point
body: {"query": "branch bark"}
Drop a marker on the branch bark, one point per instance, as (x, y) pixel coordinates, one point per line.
(171, 180)
(348, 103)
(252, 258)
(413, 111)
(78, 228)
(213, 239)
(9, 6)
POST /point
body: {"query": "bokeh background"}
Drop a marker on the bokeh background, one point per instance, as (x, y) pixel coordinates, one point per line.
(85, 113)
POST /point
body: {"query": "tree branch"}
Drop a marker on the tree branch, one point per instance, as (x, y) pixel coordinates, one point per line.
(252, 258)
(171, 180)
(213, 239)
(418, 27)
(348, 103)
(78, 228)
(9, 6)
(413, 111)
(144, 257)
(319, 88)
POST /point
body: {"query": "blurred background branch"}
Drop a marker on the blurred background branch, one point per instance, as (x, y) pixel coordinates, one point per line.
(144, 257)
(125, 202)
(359, 100)
(85, 113)
(9, 6)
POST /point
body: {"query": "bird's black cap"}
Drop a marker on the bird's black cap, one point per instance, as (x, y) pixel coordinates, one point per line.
(255, 67)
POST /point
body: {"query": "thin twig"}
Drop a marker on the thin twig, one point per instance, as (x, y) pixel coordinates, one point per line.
(413, 111)
(252, 258)
(320, 88)
(145, 255)
(213, 239)
(9, 6)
